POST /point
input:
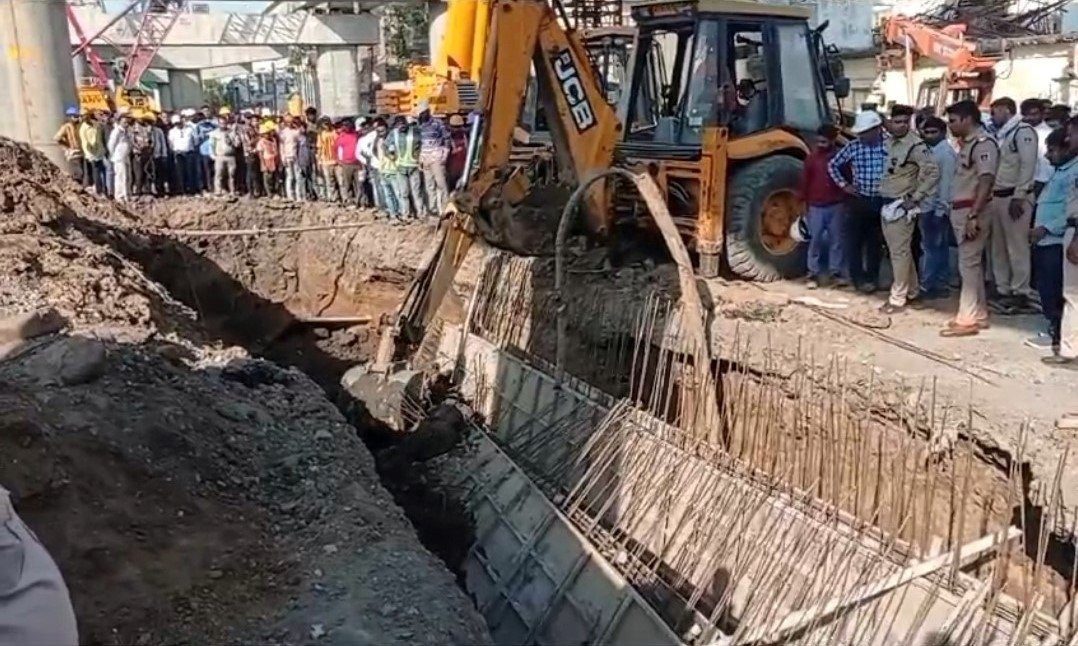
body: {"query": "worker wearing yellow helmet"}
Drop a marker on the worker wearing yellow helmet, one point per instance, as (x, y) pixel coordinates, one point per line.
(224, 111)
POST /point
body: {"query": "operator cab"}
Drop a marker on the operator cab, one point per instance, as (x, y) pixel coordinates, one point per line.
(706, 63)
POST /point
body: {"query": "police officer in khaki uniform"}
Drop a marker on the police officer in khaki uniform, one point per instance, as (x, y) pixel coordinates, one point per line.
(911, 175)
(975, 176)
(1009, 213)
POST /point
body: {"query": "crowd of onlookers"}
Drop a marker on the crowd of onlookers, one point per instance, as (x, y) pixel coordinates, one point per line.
(402, 166)
(1003, 190)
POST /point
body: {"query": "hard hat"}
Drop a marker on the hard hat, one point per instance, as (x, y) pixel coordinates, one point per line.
(456, 120)
(799, 230)
(266, 112)
(71, 111)
(224, 111)
(123, 110)
(188, 112)
(265, 127)
(865, 121)
(175, 118)
(422, 106)
(362, 121)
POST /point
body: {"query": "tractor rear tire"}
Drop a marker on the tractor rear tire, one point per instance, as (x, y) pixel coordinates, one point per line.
(750, 190)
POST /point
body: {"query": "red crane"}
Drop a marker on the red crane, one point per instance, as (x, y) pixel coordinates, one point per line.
(155, 19)
(101, 77)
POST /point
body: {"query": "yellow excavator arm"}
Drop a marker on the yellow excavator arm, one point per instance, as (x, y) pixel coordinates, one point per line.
(584, 128)
(526, 34)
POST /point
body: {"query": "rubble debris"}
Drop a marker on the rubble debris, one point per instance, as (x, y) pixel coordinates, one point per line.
(174, 478)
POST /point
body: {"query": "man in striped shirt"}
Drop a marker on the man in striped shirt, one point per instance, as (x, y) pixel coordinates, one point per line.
(865, 158)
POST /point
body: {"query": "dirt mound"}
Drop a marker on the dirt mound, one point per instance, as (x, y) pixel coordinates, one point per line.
(46, 262)
(189, 492)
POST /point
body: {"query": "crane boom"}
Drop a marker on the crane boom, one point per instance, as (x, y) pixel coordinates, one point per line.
(946, 45)
(970, 69)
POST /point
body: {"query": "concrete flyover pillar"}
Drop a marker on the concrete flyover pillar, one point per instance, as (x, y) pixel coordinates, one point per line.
(185, 88)
(339, 85)
(36, 77)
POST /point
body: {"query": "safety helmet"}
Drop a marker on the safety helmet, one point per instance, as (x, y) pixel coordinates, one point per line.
(266, 112)
(456, 120)
(266, 126)
(224, 111)
(175, 118)
(71, 111)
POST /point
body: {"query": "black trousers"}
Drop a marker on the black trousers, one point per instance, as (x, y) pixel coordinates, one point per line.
(142, 171)
(1048, 268)
(207, 172)
(162, 175)
(253, 175)
(269, 183)
(864, 239)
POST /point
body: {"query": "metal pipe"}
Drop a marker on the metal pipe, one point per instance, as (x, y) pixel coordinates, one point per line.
(559, 257)
(473, 144)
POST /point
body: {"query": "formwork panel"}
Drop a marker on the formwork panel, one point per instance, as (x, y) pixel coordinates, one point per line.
(534, 577)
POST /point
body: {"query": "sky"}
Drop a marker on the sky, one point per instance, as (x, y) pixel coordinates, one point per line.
(248, 6)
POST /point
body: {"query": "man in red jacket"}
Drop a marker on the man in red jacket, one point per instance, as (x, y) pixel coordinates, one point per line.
(826, 213)
(350, 171)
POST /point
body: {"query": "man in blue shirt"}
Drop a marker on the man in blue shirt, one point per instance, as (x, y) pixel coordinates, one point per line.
(866, 158)
(433, 153)
(203, 128)
(935, 220)
(1049, 227)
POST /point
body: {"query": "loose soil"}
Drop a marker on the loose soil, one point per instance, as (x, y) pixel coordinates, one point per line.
(190, 492)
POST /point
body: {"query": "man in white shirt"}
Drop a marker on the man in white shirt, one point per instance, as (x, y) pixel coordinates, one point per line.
(289, 137)
(181, 138)
(120, 156)
(365, 151)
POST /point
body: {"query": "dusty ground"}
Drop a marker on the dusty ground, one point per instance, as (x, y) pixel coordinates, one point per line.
(259, 291)
(189, 492)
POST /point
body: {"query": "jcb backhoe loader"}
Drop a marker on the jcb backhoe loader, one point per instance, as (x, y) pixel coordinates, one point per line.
(722, 97)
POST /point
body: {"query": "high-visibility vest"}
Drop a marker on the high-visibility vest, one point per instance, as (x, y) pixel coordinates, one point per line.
(405, 154)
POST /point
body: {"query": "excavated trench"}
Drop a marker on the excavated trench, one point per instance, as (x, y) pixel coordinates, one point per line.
(313, 301)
